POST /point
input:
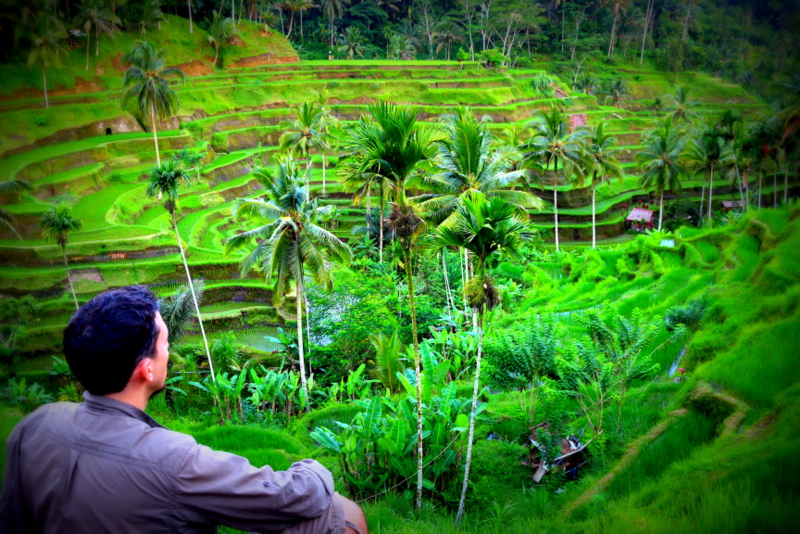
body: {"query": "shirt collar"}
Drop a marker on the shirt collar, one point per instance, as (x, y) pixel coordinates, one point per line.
(101, 403)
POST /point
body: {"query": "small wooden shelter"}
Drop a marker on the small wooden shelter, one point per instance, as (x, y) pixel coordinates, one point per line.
(570, 459)
(731, 204)
(639, 219)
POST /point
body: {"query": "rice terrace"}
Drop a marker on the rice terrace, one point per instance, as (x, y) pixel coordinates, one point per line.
(501, 266)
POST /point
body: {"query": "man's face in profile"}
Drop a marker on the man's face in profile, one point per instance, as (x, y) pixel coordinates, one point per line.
(161, 355)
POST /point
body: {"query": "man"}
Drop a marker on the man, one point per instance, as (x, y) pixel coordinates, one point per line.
(106, 466)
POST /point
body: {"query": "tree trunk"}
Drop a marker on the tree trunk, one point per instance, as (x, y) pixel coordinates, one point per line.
(644, 33)
(471, 433)
(660, 210)
(233, 13)
(611, 43)
(216, 53)
(745, 180)
(463, 279)
(785, 180)
(710, 192)
(69, 277)
(448, 293)
(415, 340)
(194, 299)
(155, 136)
(760, 181)
(291, 23)
(686, 23)
(191, 28)
(300, 352)
(96, 41)
(594, 224)
(775, 185)
(563, 17)
(738, 180)
(241, 9)
(88, 39)
(702, 200)
(47, 102)
(380, 224)
(555, 198)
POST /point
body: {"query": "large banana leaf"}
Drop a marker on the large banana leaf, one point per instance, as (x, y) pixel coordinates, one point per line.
(326, 439)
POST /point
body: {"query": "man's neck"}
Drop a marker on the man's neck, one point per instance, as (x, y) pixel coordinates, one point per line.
(136, 398)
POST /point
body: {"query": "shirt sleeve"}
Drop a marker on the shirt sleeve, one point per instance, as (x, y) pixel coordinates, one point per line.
(214, 487)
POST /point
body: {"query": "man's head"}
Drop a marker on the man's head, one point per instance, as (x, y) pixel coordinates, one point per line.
(112, 335)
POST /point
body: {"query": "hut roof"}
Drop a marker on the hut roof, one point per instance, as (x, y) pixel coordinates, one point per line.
(640, 214)
(731, 203)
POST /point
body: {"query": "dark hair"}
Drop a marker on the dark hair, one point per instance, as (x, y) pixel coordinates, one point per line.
(109, 336)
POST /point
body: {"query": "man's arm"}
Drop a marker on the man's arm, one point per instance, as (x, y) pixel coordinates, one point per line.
(214, 487)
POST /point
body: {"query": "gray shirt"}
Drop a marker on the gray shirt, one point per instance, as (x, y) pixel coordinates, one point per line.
(106, 466)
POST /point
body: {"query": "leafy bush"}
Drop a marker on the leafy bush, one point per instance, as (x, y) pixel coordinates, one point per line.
(542, 85)
(40, 120)
(689, 315)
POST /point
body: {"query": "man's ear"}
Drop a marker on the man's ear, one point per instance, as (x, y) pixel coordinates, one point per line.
(144, 370)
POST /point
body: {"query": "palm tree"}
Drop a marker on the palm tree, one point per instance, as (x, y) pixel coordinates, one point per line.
(661, 161)
(46, 46)
(191, 25)
(388, 359)
(705, 152)
(601, 151)
(332, 10)
(551, 141)
(616, 7)
(289, 241)
(151, 16)
(145, 80)
(763, 135)
(352, 42)
(390, 145)
(93, 15)
(730, 127)
(680, 105)
(11, 186)
(617, 90)
(485, 228)
(446, 35)
(56, 224)
(165, 180)
(220, 33)
(327, 141)
(306, 131)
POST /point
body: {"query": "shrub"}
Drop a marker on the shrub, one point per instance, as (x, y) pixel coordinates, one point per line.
(40, 120)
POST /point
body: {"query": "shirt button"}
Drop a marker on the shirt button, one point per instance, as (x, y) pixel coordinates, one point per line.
(266, 484)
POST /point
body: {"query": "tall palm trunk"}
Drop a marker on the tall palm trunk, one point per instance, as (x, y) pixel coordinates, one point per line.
(785, 180)
(746, 185)
(300, 350)
(702, 200)
(686, 23)
(555, 198)
(710, 191)
(471, 433)
(738, 180)
(69, 277)
(155, 141)
(775, 185)
(194, 298)
(233, 13)
(380, 224)
(760, 181)
(660, 210)
(191, 28)
(97, 41)
(463, 278)
(611, 42)
(448, 292)
(594, 223)
(415, 340)
(88, 39)
(646, 24)
(47, 102)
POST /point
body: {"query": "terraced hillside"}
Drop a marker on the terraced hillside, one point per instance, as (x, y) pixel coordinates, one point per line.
(87, 151)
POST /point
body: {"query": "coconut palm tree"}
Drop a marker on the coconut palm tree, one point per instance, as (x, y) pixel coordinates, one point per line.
(661, 162)
(165, 180)
(447, 34)
(763, 136)
(56, 224)
(730, 127)
(705, 153)
(11, 186)
(221, 33)
(145, 81)
(93, 15)
(617, 6)
(332, 10)
(46, 36)
(552, 141)
(352, 42)
(306, 131)
(486, 228)
(680, 104)
(289, 241)
(150, 17)
(601, 151)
